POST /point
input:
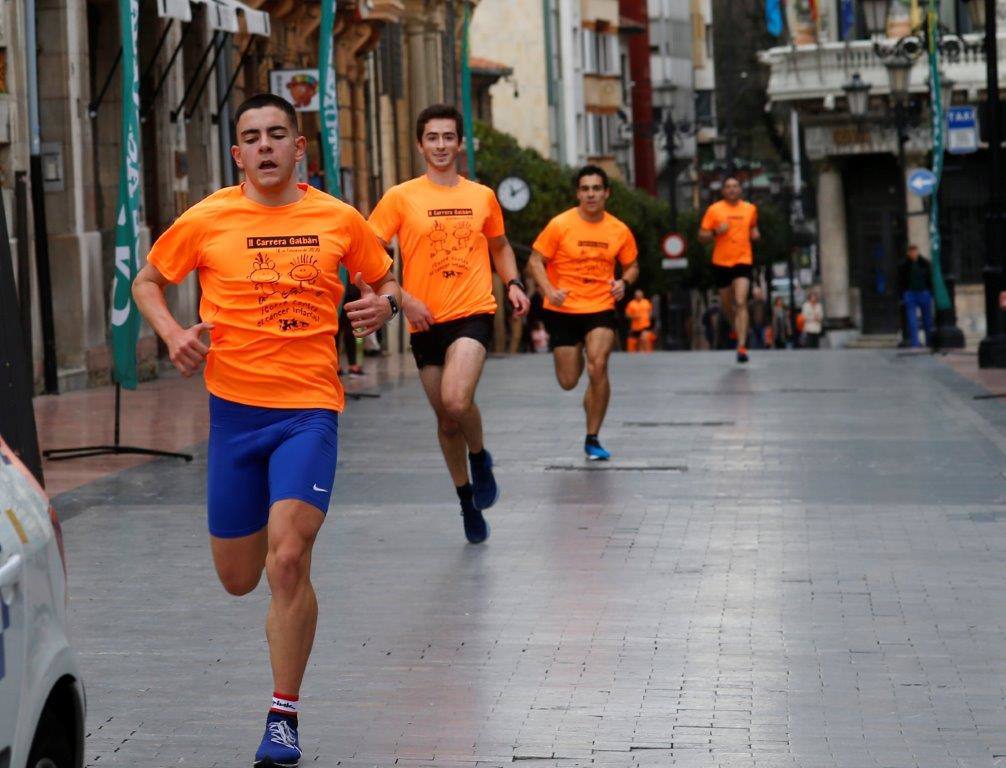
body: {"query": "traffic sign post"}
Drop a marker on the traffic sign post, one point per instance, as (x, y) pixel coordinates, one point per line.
(922, 182)
(673, 246)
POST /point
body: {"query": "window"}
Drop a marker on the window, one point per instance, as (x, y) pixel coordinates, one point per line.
(600, 130)
(600, 53)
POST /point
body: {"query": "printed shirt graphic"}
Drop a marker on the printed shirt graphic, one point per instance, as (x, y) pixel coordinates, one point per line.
(270, 286)
(638, 311)
(733, 247)
(580, 259)
(443, 233)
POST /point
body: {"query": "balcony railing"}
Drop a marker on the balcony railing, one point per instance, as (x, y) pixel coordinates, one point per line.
(814, 71)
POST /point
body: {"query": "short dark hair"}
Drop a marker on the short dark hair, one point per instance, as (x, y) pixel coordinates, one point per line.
(732, 178)
(439, 112)
(260, 100)
(592, 170)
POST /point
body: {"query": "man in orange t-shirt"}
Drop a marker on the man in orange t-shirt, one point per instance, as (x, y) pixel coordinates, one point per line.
(573, 260)
(732, 225)
(451, 236)
(638, 311)
(267, 254)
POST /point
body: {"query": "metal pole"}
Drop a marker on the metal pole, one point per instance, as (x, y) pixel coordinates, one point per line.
(992, 350)
(669, 131)
(728, 93)
(51, 378)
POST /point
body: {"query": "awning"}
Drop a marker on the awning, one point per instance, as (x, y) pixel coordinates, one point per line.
(221, 15)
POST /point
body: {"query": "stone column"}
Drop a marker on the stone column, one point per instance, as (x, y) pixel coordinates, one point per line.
(415, 43)
(833, 244)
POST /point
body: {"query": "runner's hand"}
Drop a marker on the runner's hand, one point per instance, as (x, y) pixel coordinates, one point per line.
(618, 289)
(187, 350)
(722, 228)
(556, 297)
(369, 312)
(519, 300)
(416, 313)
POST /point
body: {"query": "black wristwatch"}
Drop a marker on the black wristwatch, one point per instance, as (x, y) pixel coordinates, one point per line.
(393, 303)
(516, 281)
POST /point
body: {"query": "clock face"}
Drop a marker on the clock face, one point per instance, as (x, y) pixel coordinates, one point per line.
(514, 193)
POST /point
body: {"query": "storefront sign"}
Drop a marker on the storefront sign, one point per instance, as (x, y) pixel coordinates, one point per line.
(298, 86)
(824, 141)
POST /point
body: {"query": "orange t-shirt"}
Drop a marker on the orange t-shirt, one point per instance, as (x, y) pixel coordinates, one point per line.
(443, 233)
(733, 247)
(270, 286)
(638, 311)
(580, 259)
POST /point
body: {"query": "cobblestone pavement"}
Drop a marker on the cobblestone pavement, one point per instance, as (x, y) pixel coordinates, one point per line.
(798, 563)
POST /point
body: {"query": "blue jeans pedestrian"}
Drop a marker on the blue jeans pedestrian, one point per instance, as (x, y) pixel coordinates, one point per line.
(914, 302)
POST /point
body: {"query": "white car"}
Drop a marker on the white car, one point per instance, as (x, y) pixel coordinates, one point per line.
(41, 693)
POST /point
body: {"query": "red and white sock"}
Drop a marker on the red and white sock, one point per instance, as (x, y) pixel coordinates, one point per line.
(284, 704)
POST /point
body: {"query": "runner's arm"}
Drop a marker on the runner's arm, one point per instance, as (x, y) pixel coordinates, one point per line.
(185, 349)
(415, 311)
(630, 272)
(755, 233)
(505, 264)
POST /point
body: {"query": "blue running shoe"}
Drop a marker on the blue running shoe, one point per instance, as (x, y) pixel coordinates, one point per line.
(595, 452)
(476, 527)
(280, 747)
(485, 490)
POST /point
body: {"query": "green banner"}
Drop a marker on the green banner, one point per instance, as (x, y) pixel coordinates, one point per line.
(466, 94)
(329, 100)
(125, 316)
(936, 112)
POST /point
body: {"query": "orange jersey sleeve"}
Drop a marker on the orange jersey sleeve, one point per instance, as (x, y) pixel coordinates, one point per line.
(270, 286)
(580, 259)
(444, 237)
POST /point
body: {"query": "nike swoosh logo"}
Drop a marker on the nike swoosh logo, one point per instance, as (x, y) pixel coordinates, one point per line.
(319, 490)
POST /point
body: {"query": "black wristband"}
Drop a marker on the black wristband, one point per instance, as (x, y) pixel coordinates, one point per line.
(516, 281)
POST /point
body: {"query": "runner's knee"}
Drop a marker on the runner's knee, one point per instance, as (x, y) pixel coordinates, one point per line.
(597, 369)
(568, 380)
(287, 567)
(448, 426)
(456, 406)
(239, 581)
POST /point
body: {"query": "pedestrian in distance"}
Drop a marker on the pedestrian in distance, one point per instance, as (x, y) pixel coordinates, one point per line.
(639, 311)
(915, 276)
(813, 320)
(573, 261)
(451, 237)
(267, 253)
(782, 325)
(731, 225)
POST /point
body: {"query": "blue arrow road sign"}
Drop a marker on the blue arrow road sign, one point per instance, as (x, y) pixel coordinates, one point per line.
(922, 182)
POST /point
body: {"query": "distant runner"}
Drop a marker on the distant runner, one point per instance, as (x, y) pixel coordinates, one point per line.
(732, 224)
(267, 253)
(573, 260)
(450, 232)
(639, 312)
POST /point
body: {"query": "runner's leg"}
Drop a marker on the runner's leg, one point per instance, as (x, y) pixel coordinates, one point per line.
(239, 562)
(568, 365)
(452, 440)
(727, 302)
(293, 610)
(599, 343)
(740, 288)
(463, 365)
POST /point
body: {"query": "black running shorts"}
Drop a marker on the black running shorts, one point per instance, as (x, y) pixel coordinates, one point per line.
(430, 347)
(725, 276)
(567, 329)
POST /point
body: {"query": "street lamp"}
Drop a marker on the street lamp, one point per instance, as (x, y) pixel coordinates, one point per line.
(875, 14)
(899, 74)
(857, 94)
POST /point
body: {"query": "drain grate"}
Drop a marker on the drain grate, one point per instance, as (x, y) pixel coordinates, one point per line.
(678, 423)
(616, 468)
